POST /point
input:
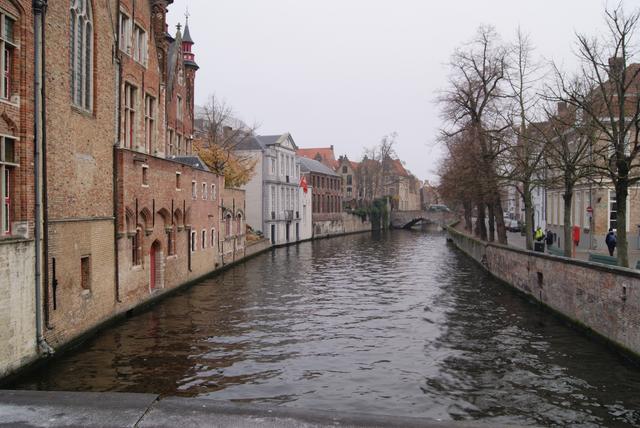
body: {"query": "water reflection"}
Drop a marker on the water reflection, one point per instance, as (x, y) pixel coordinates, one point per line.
(397, 323)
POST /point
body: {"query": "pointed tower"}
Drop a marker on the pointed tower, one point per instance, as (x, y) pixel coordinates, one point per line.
(190, 66)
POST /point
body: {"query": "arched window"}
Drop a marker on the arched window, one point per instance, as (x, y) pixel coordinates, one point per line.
(239, 225)
(81, 45)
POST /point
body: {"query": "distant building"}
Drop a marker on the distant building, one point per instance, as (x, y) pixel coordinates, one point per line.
(273, 200)
(327, 189)
(348, 171)
(324, 155)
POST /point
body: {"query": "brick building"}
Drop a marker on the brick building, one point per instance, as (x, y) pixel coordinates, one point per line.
(79, 102)
(348, 171)
(18, 335)
(326, 189)
(169, 205)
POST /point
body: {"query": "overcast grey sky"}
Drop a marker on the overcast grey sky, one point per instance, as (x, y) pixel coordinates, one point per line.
(347, 72)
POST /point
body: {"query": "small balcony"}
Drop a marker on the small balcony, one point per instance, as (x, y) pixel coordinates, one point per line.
(288, 215)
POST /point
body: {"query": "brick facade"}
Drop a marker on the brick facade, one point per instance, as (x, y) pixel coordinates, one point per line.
(79, 176)
(17, 196)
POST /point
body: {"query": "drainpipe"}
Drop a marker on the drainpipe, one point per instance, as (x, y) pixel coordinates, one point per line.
(118, 125)
(39, 9)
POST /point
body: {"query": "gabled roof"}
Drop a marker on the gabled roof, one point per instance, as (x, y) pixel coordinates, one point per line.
(310, 165)
(321, 154)
(193, 161)
(398, 168)
(261, 142)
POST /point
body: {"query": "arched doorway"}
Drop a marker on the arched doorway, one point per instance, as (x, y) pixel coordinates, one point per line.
(155, 266)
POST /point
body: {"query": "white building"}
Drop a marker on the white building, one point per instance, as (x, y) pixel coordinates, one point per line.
(306, 214)
(273, 201)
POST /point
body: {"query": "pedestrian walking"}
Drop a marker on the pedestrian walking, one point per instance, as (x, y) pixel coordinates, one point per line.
(549, 237)
(611, 241)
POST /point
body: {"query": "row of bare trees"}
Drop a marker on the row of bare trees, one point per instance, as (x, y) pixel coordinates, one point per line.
(511, 119)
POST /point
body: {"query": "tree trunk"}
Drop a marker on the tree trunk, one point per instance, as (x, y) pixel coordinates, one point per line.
(467, 215)
(492, 223)
(528, 215)
(499, 216)
(481, 227)
(568, 240)
(622, 191)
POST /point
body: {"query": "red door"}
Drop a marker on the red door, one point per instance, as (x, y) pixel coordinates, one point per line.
(152, 266)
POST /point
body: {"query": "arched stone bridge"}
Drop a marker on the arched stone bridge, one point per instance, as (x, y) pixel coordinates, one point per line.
(408, 219)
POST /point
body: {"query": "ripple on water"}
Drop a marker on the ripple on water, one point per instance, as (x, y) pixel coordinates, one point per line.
(397, 323)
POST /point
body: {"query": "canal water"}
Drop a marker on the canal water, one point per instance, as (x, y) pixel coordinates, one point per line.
(399, 323)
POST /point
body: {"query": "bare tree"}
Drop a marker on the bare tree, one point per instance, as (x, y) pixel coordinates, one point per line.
(569, 143)
(471, 105)
(606, 92)
(524, 161)
(220, 133)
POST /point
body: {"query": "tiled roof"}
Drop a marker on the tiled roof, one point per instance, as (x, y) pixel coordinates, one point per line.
(325, 154)
(310, 165)
(193, 161)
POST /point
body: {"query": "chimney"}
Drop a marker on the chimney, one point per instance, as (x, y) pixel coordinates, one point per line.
(616, 65)
(226, 131)
(332, 147)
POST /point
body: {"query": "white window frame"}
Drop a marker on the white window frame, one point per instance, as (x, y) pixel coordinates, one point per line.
(81, 54)
(7, 49)
(129, 111)
(213, 237)
(6, 165)
(213, 192)
(194, 190)
(125, 33)
(194, 241)
(204, 239)
(204, 192)
(149, 122)
(140, 43)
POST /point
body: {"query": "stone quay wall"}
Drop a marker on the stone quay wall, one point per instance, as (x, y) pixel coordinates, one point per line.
(338, 224)
(603, 299)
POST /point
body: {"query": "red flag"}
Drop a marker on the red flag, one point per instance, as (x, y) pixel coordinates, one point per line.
(303, 184)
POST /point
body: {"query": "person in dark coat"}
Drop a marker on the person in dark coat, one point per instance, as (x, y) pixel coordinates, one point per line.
(611, 241)
(549, 237)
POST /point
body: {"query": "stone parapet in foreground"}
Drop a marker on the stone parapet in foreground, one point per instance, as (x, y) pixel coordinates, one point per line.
(96, 409)
(604, 299)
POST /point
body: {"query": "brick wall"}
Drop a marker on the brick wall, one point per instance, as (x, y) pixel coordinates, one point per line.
(604, 299)
(157, 207)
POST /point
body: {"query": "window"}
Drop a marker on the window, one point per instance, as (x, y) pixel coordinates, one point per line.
(204, 239)
(170, 143)
(239, 225)
(194, 190)
(613, 210)
(213, 192)
(179, 108)
(125, 33)
(204, 191)
(178, 144)
(178, 181)
(129, 115)
(81, 45)
(577, 211)
(8, 46)
(344, 169)
(171, 241)
(136, 248)
(140, 45)
(193, 241)
(85, 273)
(213, 238)
(227, 225)
(349, 180)
(145, 175)
(149, 122)
(8, 162)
